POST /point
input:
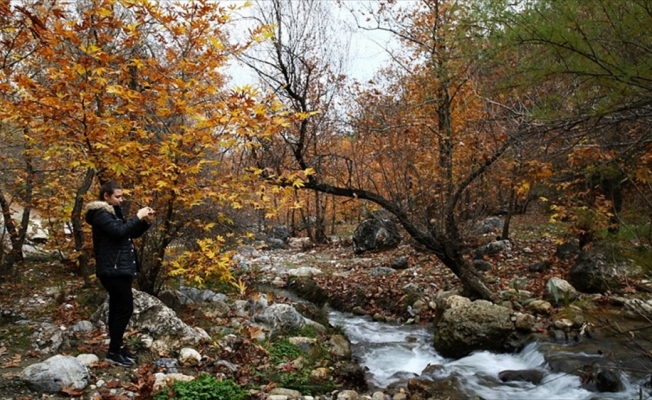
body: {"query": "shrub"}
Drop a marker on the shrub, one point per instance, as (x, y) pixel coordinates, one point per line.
(204, 387)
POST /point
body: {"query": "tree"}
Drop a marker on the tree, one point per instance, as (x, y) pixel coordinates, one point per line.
(304, 64)
(588, 64)
(416, 143)
(134, 91)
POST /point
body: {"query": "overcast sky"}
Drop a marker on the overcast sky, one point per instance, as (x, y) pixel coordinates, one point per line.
(367, 48)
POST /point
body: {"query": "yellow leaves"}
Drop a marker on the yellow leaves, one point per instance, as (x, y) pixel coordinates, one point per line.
(210, 262)
(298, 183)
(309, 171)
(118, 168)
(90, 49)
(217, 43)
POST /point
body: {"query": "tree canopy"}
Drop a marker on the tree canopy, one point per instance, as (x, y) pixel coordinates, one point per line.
(483, 106)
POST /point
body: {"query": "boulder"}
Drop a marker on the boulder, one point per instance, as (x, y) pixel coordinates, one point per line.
(56, 373)
(492, 224)
(375, 234)
(479, 326)
(160, 322)
(280, 317)
(607, 380)
(278, 237)
(595, 272)
(495, 247)
(559, 290)
(339, 346)
(637, 309)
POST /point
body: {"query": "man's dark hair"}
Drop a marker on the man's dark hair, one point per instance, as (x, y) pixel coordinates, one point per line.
(108, 188)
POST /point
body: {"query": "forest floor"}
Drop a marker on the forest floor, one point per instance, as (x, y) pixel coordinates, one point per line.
(47, 291)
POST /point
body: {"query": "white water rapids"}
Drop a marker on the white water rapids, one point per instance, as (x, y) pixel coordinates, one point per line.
(395, 353)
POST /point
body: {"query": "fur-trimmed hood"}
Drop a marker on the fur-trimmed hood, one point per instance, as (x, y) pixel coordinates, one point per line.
(98, 205)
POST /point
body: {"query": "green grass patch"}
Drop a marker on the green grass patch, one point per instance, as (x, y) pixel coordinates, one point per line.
(204, 387)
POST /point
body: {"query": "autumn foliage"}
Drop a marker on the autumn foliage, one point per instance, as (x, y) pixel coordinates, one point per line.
(483, 108)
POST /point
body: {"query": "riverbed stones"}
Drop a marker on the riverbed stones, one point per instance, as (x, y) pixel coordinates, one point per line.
(280, 318)
(481, 325)
(524, 322)
(56, 373)
(540, 307)
(289, 394)
(559, 291)
(637, 309)
(339, 346)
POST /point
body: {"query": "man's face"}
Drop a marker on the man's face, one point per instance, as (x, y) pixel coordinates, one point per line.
(115, 199)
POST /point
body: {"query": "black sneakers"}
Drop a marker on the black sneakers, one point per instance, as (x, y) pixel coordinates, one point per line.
(119, 359)
(124, 352)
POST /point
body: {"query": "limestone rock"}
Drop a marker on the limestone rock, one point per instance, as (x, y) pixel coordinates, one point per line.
(479, 326)
(55, 373)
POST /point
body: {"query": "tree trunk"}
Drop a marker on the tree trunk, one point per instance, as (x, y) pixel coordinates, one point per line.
(77, 230)
(16, 236)
(510, 212)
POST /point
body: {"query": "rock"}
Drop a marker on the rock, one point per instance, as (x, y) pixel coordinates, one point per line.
(168, 365)
(340, 347)
(215, 310)
(375, 234)
(525, 322)
(637, 309)
(400, 263)
(307, 288)
(495, 247)
(83, 326)
(540, 307)
(88, 360)
(608, 381)
(280, 317)
(306, 344)
(380, 271)
(563, 324)
(566, 251)
(320, 374)
(56, 373)
(278, 237)
(347, 395)
(534, 376)
(479, 326)
(357, 310)
(489, 225)
(191, 295)
(304, 271)
(163, 380)
(152, 316)
(456, 301)
(595, 272)
(378, 396)
(189, 357)
(289, 394)
(541, 266)
(559, 291)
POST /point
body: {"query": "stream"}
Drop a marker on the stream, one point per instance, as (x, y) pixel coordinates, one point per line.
(392, 354)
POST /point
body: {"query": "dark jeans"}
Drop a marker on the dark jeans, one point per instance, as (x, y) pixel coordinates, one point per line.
(121, 306)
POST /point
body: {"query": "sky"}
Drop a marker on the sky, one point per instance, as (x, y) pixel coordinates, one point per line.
(367, 48)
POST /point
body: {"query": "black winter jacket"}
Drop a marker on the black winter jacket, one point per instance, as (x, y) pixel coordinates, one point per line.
(115, 254)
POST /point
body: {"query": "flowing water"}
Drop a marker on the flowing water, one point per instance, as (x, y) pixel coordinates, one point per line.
(392, 354)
